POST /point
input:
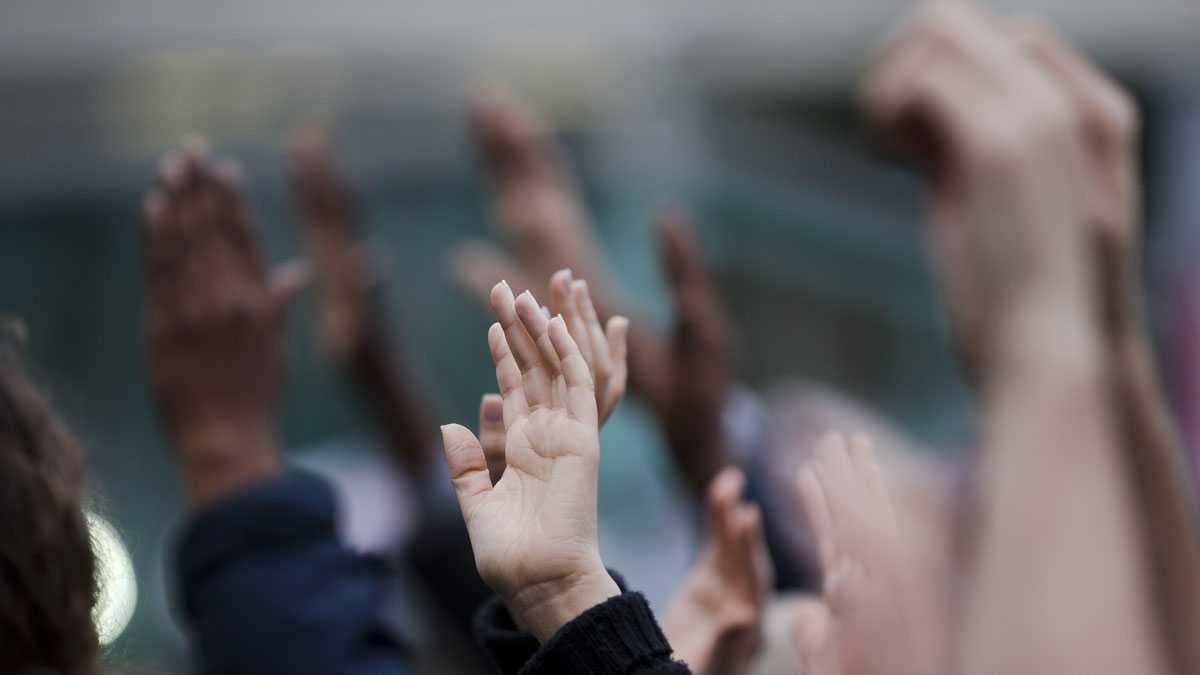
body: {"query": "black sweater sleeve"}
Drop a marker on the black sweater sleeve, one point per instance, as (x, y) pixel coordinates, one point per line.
(268, 588)
(617, 637)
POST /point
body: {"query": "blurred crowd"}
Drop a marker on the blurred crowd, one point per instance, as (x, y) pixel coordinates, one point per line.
(1063, 541)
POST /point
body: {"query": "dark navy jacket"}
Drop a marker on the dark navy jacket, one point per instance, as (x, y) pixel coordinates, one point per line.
(268, 588)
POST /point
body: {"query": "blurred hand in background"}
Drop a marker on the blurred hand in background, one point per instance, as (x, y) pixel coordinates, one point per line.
(715, 623)
(215, 325)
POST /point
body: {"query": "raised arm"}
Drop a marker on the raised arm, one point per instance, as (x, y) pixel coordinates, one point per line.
(534, 530)
(1155, 459)
(1060, 581)
(266, 585)
(686, 377)
(353, 322)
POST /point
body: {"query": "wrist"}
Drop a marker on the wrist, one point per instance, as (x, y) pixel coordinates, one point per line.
(1039, 341)
(219, 460)
(543, 608)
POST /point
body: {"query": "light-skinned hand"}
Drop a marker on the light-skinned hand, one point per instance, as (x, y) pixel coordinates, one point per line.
(544, 223)
(999, 139)
(867, 623)
(685, 377)
(715, 624)
(534, 532)
(603, 349)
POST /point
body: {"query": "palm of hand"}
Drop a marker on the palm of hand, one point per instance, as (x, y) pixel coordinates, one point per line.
(531, 520)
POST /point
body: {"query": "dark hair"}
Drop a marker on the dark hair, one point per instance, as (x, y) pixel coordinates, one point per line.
(47, 568)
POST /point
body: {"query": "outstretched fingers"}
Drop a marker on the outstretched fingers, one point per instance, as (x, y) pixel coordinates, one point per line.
(508, 376)
(580, 401)
(617, 333)
(587, 329)
(524, 350)
(537, 326)
(478, 266)
(724, 492)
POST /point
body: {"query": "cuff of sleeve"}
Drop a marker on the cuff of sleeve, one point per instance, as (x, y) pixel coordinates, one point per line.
(509, 646)
(613, 637)
(294, 507)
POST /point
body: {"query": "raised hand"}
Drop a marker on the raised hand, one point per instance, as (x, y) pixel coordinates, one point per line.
(1109, 124)
(534, 532)
(1014, 193)
(542, 218)
(999, 139)
(701, 366)
(346, 310)
(352, 320)
(687, 379)
(602, 348)
(867, 624)
(715, 623)
(215, 325)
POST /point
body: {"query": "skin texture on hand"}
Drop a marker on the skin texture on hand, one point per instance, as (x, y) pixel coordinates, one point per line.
(1059, 575)
(534, 532)
(352, 320)
(1110, 125)
(685, 380)
(215, 325)
(870, 621)
(715, 624)
(602, 348)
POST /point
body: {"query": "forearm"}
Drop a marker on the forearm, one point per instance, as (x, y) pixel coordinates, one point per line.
(383, 381)
(1156, 464)
(217, 461)
(1059, 560)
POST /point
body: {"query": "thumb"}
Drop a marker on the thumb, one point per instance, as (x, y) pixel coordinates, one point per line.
(287, 279)
(478, 266)
(468, 467)
(680, 253)
(492, 434)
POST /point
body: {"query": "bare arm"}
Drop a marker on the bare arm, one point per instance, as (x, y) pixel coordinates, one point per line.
(1153, 456)
(1060, 581)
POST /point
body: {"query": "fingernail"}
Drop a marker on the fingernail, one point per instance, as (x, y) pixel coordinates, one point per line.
(493, 412)
(504, 283)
